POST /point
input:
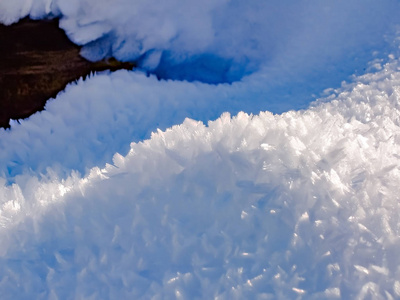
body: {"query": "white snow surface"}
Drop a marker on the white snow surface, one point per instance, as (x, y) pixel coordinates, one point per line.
(91, 120)
(218, 41)
(296, 205)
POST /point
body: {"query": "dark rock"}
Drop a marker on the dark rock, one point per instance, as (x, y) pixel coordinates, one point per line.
(37, 61)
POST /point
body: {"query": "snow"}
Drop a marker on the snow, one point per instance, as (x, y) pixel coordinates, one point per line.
(301, 204)
(130, 187)
(288, 41)
(95, 118)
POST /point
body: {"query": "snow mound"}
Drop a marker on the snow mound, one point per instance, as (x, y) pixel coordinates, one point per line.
(218, 41)
(92, 119)
(299, 205)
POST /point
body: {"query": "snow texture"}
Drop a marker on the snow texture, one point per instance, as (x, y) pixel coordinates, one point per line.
(93, 119)
(297, 205)
(218, 41)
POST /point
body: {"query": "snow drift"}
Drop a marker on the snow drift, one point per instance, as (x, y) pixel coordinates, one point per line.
(298, 205)
(301, 204)
(222, 41)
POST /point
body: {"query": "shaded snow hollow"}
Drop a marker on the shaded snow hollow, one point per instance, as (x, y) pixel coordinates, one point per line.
(310, 43)
(299, 205)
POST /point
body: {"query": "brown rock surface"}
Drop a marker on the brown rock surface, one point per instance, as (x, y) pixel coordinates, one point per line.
(37, 60)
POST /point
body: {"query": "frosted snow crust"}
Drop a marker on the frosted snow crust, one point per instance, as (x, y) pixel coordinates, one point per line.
(91, 120)
(299, 205)
(218, 41)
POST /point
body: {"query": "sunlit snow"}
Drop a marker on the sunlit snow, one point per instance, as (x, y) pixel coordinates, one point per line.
(131, 187)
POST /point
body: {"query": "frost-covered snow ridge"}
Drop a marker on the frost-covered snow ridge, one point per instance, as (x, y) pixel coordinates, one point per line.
(223, 40)
(278, 204)
(299, 205)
